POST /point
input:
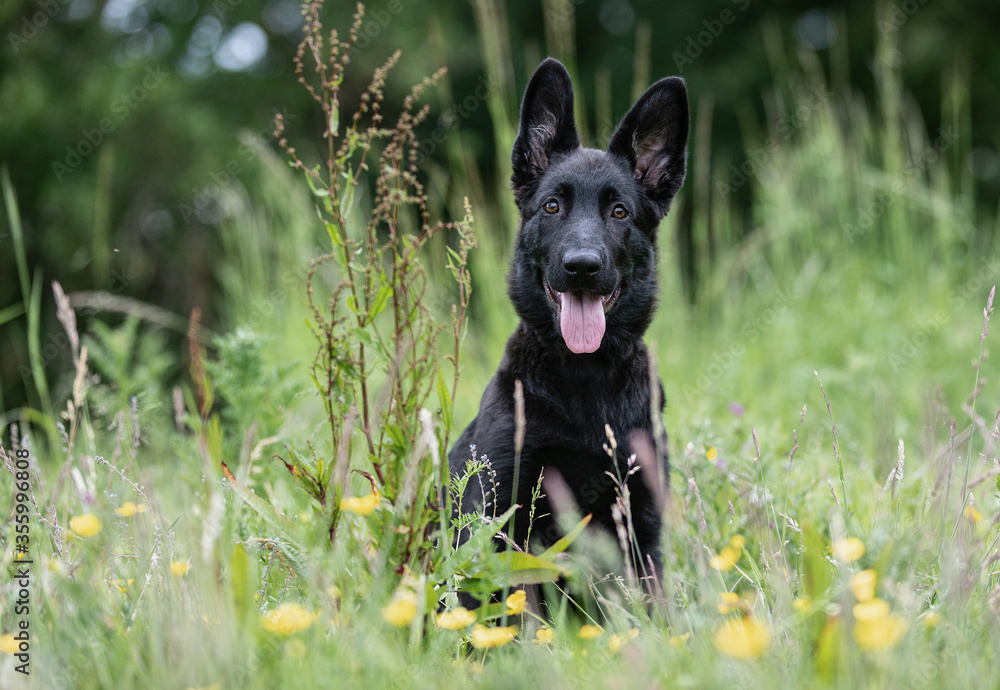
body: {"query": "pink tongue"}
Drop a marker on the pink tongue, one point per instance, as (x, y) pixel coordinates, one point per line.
(581, 320)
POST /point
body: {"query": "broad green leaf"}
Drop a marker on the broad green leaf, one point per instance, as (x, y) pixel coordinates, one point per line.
(564, 543)
(479, 541)
(381, 299)
(265, 510)
(525, 568)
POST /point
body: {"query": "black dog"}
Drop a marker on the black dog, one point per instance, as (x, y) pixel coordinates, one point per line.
(583, 281)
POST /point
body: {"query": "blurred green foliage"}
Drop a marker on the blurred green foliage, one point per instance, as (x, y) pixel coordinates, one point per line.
(133, 129)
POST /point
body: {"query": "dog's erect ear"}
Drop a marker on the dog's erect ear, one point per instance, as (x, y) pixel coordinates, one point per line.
(653, 138)
(547, 126)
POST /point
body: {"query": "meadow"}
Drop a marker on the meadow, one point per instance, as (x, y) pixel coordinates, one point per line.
(279, 517)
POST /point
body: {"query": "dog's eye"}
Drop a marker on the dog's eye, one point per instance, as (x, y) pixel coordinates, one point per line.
(551, 206)
(619, 212)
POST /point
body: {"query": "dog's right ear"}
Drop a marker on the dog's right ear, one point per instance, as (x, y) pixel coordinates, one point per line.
(547, 127)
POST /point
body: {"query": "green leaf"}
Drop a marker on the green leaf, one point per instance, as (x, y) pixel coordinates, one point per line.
(34, 343)
(334, 232)
(564, 543)
(815, 567)
(364, 337)
(265, 510)
(525, 568)
(444, 397)
(317, 191)
(381, 299)
(239, 567)
(16, 231)
(398, 438)
(511, 568)
(480, 540)
(347, 200)
(11, 313)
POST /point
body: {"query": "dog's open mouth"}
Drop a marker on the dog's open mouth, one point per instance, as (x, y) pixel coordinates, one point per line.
(581, 316)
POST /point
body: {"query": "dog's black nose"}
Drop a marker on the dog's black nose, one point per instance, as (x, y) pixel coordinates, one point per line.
(582, 263)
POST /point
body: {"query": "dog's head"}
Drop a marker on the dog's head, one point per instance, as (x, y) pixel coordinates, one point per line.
(586, 254)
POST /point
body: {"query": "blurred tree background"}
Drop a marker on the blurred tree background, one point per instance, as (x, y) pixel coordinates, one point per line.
(131, 128)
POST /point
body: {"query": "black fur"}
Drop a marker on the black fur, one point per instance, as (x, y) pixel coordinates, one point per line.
(582, 248)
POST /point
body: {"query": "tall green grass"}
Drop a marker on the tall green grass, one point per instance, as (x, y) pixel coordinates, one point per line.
(890, 319)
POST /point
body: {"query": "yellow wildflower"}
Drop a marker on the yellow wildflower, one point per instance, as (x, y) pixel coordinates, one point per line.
(803, 604)
(122, 585)
(401, 610)
(863, 584)
(728, 601)
(738, 542)
(8, 645)
(361, 505)
(741, 638)
(86, 525)
(487, 638)
(877, 634)
(544, 636)
(972, 515)
(727, 558)
(129, 509)
(516, 602)
(179, 568)
(287, 619)
(679, 640)
(616, 641)
(848, 550)
(457, 619)
(873, 609)
(711, 453)
(875, 628)
(591, 632)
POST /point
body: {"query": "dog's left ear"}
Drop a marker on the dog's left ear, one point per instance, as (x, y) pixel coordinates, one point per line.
(653, 139)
